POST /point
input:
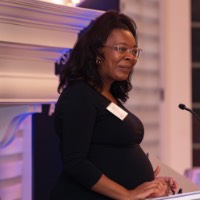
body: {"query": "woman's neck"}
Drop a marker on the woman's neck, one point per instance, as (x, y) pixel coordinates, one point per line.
(106, 93)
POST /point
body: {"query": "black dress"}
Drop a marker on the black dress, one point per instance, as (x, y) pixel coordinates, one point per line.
(93, 142)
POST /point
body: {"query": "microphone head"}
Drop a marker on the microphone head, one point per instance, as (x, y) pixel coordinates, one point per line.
(181, 106)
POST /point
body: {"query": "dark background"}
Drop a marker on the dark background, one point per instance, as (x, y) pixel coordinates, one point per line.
(195, 5)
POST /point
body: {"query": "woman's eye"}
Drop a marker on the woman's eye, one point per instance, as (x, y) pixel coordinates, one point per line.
(134, 51)
(122, 49)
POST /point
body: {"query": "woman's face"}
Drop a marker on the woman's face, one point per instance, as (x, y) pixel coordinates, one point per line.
(118, 64)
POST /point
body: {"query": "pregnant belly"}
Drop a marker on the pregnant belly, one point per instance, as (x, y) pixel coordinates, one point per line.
(128, 166)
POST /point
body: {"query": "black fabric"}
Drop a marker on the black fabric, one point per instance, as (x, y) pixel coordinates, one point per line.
(95, 142)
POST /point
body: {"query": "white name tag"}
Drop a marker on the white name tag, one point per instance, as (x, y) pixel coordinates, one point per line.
(117, 111)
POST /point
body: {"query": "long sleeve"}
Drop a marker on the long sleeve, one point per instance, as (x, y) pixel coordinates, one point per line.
(74, 121)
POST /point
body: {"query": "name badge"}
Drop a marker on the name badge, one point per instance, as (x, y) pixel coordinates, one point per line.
(117, 111)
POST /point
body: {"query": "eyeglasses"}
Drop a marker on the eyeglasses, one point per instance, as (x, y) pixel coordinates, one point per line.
(123, 50)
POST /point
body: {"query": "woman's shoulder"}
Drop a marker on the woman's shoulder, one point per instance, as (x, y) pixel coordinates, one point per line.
(79, 86)
(78, 90)
(76, 97)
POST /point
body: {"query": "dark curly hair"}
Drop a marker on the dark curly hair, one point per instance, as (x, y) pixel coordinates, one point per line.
(82, 61)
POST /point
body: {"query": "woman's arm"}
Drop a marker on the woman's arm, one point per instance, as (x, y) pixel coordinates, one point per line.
(115, 191)
(75, 116)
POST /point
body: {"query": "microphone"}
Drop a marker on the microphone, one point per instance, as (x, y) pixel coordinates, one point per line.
(183, 107)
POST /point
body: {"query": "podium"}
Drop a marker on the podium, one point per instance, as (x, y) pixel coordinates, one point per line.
(184, 196)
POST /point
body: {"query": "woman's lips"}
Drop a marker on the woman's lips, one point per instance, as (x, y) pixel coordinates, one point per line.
(126, 69)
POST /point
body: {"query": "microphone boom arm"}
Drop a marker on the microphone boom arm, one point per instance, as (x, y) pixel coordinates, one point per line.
(183, 107)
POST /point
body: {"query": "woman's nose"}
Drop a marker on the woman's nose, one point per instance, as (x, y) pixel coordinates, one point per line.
(129, 56)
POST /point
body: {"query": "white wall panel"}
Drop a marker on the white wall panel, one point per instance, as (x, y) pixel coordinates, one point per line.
(162, 77)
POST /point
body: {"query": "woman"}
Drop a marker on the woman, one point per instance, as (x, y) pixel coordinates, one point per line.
(99, 137)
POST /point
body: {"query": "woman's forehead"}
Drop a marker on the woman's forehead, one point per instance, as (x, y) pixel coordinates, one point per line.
(121, 36)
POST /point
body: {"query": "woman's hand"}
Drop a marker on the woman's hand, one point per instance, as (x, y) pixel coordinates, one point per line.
(169, 181)
(155, 188)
